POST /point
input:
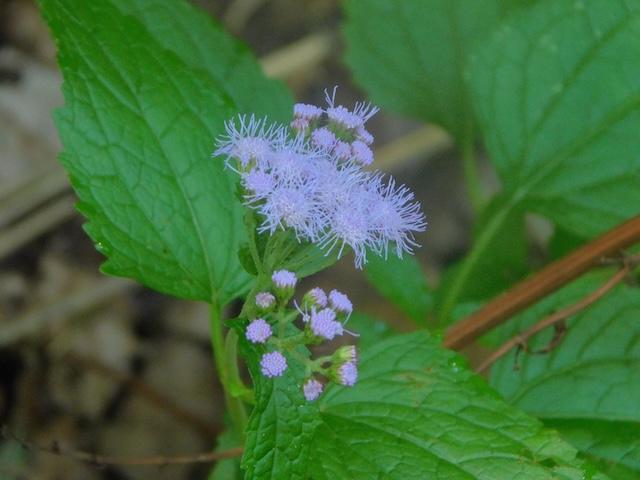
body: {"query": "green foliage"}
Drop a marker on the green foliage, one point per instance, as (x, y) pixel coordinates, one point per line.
(410, 55)
(402, 282)
(587, 387)
(138, 126)
(418, 412)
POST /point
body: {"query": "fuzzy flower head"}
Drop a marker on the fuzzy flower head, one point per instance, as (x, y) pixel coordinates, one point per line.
(315, 298)
(346, 354)
(284, 279)
(265, 301)
(258, 331)
(347, 374)
(323, 324)
(273, 364)
(340, 302)
(312, 389)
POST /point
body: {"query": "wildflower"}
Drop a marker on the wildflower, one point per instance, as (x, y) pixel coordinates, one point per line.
(323, 324)
(315, 298)
(323, 138)
(273, 364)
(306, 111)
(346, 374)
(258, 331)
(340, 302)
(361, 152)
(312, 389)
(265, 301)
(346, 354)
(284, 282)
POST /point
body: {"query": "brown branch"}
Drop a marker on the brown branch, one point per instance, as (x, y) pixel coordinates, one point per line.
(549, 279)
(146, 391)
(103, 460)
(555, 318)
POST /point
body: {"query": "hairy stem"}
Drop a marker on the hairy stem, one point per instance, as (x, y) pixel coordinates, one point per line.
(234, 404)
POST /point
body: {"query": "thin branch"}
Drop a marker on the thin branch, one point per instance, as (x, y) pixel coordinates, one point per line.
(103, 460)
(555, 318)
(549, 279)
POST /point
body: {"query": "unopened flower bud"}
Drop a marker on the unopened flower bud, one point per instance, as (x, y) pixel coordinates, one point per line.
(258, 331)
(273, 364)
(345, 374)
(340, 302)
(314, 298)
(346, 354)
(284, 283)
(265, 301)
(312, 389)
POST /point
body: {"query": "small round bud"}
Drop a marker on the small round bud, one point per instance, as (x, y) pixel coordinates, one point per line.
(340, 302)
(346, 374)
(284, 283)
(323, 138)
(323, 324)
(312, 389)
(273, 364)
(265, 301)
(362, 153)
(342, 150)
(299, 124)
(364, 136)
(314, 298)
(258, 331)
(306, 111)
(346, 354)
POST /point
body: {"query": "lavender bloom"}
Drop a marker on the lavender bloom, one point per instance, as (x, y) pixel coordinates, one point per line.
(312, 389)
(346, 354)
(316, 298)
(258, 331)
(284, 279)
(340, 302)
(347, 374)
(265, 300)
(312, 182)
(273, 364)
(361, 152)
(324, 325)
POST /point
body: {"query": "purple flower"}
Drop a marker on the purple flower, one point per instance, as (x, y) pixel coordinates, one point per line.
(342, 150)
(344, 117)
(258, 331)
(323, 138)
(347, 374)
(312, 389)
(251, 140)
(346, 354)
(284, 279)
(316, 298)
(273, 364)
(306, 111)
(361, 152)
(363, 135)
(290, 207)
(258, 184)
(265, 300)
(340, 302)
(323, 324)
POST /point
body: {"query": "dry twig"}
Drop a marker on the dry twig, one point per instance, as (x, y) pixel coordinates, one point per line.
(549, 279)
(555, 318)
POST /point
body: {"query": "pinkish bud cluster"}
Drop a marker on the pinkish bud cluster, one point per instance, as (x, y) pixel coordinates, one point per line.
(322, 317)
(312, 181)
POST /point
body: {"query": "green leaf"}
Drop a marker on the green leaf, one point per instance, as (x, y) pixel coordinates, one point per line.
(402, 282)
(557, 90)
(148, 85)
(418, 412)
(588, 386)
(410, 54)
(281, 424)
(227, 469)
(370, 330)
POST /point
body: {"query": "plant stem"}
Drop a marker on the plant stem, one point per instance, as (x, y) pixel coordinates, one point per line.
(480, 245)
(472, 176)
(234, 404)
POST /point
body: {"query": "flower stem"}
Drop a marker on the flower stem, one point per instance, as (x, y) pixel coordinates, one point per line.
(472, 176)
(234, 404)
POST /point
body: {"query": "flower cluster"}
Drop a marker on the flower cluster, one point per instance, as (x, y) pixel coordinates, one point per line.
(310, 178)
(323, 318)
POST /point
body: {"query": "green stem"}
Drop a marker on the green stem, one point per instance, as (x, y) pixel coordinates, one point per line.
(472, 176)
(477, 251)
(234, 404)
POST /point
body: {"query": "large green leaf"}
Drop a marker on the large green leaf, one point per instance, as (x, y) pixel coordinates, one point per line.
(148, 85)
(418, 412)
(410, 54)
(402, 282)
(557, 92)
(588, 386)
